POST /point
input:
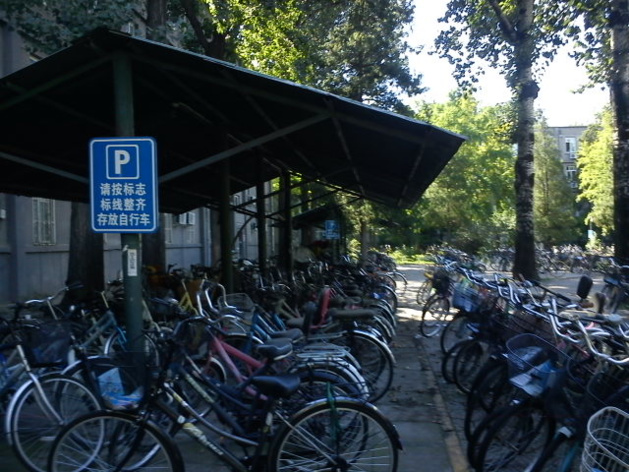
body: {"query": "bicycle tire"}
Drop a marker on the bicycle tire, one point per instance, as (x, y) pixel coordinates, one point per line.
(447, 363)
(335, 436)
(454, 332)
(435, 315)
(314, 386)
(516, 441)
(423, 292)
(30, 426)
(491, 389)
(562, 454)
(376, 361)
(115, 441)
(467, 363)
(117, 343)
(388, 294)
(399, 277)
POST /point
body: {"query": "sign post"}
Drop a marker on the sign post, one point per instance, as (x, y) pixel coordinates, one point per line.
(124, 199)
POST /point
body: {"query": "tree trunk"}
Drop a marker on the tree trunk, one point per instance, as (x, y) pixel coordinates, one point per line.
(156, 15)
(154, 244)
(619, 86)
(85, 262)
(526, 93)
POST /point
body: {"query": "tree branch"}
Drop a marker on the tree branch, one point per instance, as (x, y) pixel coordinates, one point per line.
(505, 25)
(190, 7)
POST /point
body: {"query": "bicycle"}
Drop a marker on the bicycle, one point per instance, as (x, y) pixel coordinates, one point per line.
(328, 434)
(562, 410)
(43, 403)
(607, 440)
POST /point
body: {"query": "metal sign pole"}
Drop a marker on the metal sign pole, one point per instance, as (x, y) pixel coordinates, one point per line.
(131, 242)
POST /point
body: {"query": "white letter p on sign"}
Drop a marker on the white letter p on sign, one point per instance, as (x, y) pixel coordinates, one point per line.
(121, 157)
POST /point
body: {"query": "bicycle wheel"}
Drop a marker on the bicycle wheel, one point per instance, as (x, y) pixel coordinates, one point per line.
(435, 315)
(113, 441)
(561, 454)
(455, 331)
(338, 435)
(491, 389)
(447, 363)
(117, 342)
(467, 363)
(39, 410)
(314, 385)
(516, 441)
(386, 293)
(375, 359)
(423, 292)
(400, 280)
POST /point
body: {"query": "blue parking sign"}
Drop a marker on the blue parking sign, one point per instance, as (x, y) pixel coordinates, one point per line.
(124, 191)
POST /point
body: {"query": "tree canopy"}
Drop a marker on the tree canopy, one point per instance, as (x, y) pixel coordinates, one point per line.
(595, 164)
(470, 197)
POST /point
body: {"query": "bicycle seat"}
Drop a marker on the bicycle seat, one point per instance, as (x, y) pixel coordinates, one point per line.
(275, 349)
(293, 334)
(351, 314)
(278, 386)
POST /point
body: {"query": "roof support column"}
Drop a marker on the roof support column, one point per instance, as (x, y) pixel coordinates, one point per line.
(286, 235)
(226, 225)
(131, 242)
(261, 222)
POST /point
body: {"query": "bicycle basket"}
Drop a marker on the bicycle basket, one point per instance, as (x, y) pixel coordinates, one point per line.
(467, 297)
(533, 363)
(521, 321)
(441, 281)
(47, 343)
(123, 378)
(602, 388)
(606, 446)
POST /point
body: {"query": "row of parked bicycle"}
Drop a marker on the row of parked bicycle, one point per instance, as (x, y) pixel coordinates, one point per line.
(259, 382)
(545, 375)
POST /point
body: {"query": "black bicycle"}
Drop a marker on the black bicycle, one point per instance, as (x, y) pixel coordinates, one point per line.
(332, 433)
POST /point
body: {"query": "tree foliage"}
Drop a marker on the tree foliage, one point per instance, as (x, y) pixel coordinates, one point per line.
(471, 197)
(555, 202)
(604, 48)
(595, 164)
(518, 37)
(49, 25)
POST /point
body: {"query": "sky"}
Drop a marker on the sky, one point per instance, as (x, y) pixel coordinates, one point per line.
(556, 99)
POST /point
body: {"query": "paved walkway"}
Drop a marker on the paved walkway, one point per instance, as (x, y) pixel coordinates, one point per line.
(427, 412)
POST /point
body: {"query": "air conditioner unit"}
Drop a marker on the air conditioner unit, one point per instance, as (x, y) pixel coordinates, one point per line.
(192, 218)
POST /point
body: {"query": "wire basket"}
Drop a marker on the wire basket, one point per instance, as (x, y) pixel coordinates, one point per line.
(48, 343)
(516, 322)
(470, 297)
(606, 388)
(606, 447)
(124, 378)
(534, 363)
(441, 281)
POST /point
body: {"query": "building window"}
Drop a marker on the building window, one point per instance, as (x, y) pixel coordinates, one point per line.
(44, 224)
(570, 148)
(571, 173)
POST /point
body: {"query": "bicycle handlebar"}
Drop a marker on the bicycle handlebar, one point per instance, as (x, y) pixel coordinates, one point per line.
(589, 334)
